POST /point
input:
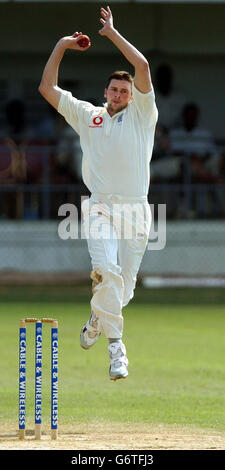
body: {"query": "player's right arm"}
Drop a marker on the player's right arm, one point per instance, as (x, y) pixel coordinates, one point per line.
(48, 87)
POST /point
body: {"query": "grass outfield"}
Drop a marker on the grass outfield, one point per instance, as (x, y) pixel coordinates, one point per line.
(175, 345)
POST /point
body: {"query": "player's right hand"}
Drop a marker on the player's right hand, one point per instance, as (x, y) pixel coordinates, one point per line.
(71, 42)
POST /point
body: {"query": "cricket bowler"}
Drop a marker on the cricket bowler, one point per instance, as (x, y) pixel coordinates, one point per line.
(117, 141)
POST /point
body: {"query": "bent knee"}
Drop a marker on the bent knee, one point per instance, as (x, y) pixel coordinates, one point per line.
(107, 277)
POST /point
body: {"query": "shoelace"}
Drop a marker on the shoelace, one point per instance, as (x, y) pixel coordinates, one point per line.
(119, 362)
(119, 357)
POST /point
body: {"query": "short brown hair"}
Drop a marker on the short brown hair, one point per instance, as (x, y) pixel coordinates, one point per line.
(120, 75)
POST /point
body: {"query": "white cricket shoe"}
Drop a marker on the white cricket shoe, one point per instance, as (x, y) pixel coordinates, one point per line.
(118, 361)
(90, 332)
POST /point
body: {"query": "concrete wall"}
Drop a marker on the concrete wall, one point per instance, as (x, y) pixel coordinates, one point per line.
(192, 248)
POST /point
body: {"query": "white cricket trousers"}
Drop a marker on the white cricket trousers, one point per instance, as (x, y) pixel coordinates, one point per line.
(117, 231)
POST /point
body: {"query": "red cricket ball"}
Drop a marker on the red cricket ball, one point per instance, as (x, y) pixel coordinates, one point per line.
(84, 41)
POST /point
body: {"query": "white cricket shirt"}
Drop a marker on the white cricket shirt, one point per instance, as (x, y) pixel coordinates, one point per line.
(116, 150)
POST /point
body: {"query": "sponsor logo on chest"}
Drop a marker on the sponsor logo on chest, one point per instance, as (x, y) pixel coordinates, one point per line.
(96, 122)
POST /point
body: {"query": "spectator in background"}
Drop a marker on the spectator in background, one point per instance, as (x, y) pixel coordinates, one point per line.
(16, 128)
(169, 101)
(69, 154)
(66, 164)
(47, 128)
(165, 168)
(189, 138)
(221, 181)
(13, 166)
(162, 142)
(15, 137)
(196, 144)
(64, 156)
(222, 168)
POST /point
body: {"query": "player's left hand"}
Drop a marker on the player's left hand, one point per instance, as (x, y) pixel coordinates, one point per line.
(107, 21)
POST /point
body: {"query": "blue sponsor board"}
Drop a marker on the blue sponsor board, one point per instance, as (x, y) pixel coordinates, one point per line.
(38, 372)
(22, 378)
(54, 377)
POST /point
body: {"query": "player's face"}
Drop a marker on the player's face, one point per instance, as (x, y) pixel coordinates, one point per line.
(118, 94)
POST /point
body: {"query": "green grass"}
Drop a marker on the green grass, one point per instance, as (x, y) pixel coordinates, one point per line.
(176, 352)
(81, 292)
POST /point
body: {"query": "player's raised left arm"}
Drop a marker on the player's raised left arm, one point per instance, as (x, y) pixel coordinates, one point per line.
(142, 79)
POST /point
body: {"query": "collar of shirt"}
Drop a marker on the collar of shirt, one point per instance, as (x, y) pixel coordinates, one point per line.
(105, 111)
(109, 119)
